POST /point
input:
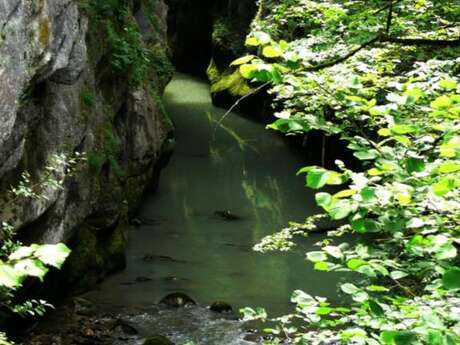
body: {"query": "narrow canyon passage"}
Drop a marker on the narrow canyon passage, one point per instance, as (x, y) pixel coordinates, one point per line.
(235, 169)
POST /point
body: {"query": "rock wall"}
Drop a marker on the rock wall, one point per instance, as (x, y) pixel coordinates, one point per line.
(65, 86)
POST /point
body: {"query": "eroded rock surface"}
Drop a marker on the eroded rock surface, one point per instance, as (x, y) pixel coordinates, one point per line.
(60, 93)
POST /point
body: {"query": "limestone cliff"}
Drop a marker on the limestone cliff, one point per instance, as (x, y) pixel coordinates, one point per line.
(82, 76)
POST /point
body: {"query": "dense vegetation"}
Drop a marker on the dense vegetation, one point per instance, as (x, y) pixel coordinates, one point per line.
(19, 262)
(384, 77)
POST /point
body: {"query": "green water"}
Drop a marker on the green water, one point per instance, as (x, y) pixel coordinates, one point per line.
(237, 166)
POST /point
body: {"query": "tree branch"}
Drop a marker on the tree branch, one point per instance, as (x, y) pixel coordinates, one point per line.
(252, 92)
(342, 58)
(389, 18)
(421, 41)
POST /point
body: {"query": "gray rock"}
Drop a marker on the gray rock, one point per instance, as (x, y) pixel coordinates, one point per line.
(59, 94)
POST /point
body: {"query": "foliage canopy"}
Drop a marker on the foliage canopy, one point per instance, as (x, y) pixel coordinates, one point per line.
(384, 76)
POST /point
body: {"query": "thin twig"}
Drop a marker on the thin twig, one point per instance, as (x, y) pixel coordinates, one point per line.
(253, 92)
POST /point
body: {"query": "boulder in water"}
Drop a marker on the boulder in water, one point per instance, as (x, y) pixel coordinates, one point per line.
(177, 299)
(221, 307)
(158, 340)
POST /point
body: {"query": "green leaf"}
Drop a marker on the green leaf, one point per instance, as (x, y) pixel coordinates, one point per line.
(53, 255)
(441, 102)
(448, 84)
(324, 310)
(368, 194)
(21, 253)
(377, 288)
(334, 178)
(366, 155)
(376, 308)
(323, 199)
(446, 251)
(354, 264)
(262, 37)
(317, 178)
(321, 266)
(242, 60)
(398, 338)
(339, 209)
(449, 167)
(10, 277)
(398, 275)
(333, 251)
(29, 267)
(344, 193)
(405, 338)
(305, 170)
(388, 337)
(403, 129)
(414, 165)
(252, 42)
(435, 338)
(272, 52)
(451, 278)
(349, 288)
(248, 70)
(316, 256)
(443, 187)
(363, 226)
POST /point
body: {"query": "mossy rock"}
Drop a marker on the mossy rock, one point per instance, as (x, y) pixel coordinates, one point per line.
(221, 307)
(158, 340)
(177, 299)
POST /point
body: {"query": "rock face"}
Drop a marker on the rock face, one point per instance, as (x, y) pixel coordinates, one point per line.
(66, 87)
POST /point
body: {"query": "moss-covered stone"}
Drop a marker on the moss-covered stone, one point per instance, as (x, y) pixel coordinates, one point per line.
(95, 252)
(158, 340)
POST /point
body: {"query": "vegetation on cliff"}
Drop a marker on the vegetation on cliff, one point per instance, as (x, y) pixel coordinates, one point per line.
(384, 76)
(19, 262)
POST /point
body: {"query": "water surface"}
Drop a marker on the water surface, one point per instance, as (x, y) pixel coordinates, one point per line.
(234, 166)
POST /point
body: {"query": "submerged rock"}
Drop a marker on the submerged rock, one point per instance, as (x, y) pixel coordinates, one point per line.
(221, 307)
(177, 299)
(151, 258)
(226, 215)
(158, 340)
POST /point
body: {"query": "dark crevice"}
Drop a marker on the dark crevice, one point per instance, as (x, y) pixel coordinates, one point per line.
(190, 34)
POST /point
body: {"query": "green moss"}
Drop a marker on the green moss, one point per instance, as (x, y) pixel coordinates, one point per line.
(158, 340)
(161, 64)
(87, 98)
(79, 267)
(95, 161)
(213, 72)
(94, 255)
(229, 81)
(44, 31)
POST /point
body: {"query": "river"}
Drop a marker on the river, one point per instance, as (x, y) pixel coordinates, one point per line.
(234, 166)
